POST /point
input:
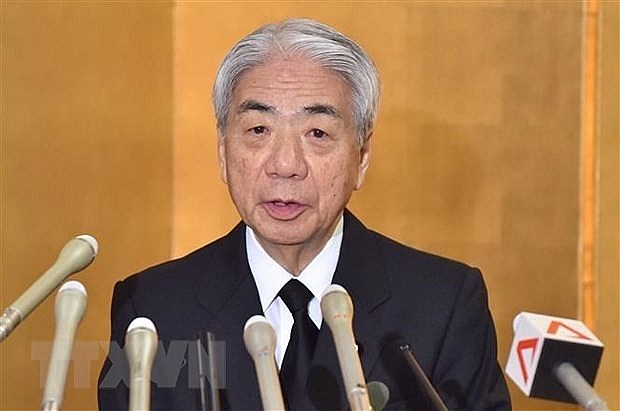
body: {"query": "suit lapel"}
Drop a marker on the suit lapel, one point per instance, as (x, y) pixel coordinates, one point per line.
(361, 271)
(230, 296)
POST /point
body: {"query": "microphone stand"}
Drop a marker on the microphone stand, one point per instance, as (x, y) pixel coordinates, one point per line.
(209, 396)
(578, 387)
(422, 378)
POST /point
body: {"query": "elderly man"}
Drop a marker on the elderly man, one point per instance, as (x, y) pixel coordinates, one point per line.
(296, 103)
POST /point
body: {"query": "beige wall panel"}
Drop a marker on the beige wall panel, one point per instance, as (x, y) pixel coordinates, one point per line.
(475, 154)
(608, 305)
(86, 148)
(476, 151)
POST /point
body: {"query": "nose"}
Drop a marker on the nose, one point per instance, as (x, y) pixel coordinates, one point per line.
(287, 159)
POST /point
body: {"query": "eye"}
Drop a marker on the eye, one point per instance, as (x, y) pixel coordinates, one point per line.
(258, 130)
(316, 133)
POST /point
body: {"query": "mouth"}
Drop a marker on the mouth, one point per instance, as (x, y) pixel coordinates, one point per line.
(283, 209)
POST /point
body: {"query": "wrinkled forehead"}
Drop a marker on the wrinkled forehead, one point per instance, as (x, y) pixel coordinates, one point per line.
(292, 79)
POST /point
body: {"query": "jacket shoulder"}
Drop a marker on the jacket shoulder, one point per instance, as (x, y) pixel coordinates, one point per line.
(401, 258)
(181, 278)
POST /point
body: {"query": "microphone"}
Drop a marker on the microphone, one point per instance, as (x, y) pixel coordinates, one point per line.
(207, 372)
(422, 378)
(141, 346)
(260, 341)
(379, 395)
(75, 256)
(555, 359)
(337, 309)
(69, 310)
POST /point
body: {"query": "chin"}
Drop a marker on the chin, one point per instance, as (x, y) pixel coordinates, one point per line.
(280, 238)
(283, 234)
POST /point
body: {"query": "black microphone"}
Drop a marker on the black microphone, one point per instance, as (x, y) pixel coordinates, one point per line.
(75, 256)
(555, 359)
(422, 378)
(207, 370)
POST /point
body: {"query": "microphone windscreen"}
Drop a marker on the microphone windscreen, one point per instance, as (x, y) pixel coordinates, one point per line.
(73, 286)
(379, 395)
(91, 241)
(541, 343)
(259, 336)
(336, 305)
(141, 322)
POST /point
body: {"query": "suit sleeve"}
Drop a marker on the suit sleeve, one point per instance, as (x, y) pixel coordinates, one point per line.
(467, 374)
(113, 393)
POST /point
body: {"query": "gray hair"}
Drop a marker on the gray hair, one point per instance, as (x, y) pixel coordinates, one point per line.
(311, 39)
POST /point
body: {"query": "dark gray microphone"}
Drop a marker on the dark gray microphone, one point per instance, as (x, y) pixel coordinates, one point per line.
(379, 395)
(69, 310)
(75, 256)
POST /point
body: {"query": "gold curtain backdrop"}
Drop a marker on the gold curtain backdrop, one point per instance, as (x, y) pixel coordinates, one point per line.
(107, 128)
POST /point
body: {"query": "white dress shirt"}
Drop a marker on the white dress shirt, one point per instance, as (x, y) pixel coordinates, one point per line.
(270, 277)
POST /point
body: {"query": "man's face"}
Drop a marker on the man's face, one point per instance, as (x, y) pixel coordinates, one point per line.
(289, 153)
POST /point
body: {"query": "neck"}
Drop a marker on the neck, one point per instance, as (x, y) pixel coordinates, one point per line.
(294, 258)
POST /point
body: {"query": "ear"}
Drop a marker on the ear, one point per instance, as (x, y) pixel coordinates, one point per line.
(221, 153)
(364, 161)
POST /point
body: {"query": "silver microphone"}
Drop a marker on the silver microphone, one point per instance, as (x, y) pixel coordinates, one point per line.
(141, 347)
(337, 309)
(260, 341)
(75, 256)
(69, 310)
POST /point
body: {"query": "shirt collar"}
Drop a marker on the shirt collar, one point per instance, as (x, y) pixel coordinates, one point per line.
(270, 276)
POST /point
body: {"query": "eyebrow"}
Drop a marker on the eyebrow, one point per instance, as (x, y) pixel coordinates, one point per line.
(254, 105)
(313, 109)
(322, 109)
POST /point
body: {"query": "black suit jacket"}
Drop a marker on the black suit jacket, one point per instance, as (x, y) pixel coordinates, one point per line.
(400, 295)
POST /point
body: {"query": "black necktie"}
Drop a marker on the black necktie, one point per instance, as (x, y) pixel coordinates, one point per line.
(296, 363)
